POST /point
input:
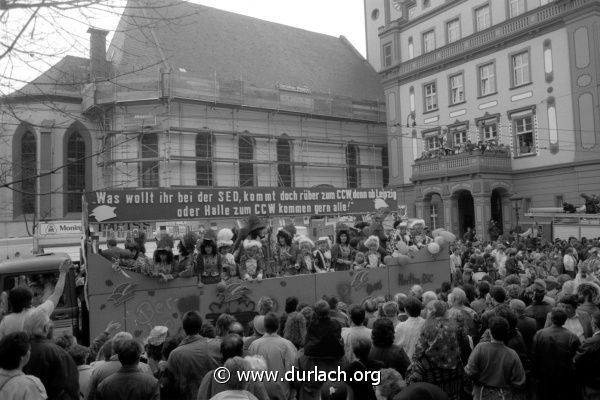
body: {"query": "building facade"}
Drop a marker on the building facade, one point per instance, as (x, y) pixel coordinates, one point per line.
(191, 96)
(488, 101)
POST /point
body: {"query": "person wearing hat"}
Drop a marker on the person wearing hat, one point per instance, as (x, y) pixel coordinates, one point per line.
(286, 251)
(305, 261)
(154, 343)
(254, 230)
(209, 264)
(185, 261)
(224, 247)
(252, 262)
(341, 252)
(163, 264)
(322, 254)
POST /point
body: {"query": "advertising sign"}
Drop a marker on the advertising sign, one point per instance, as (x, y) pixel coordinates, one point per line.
(186, 204)
(60, 228)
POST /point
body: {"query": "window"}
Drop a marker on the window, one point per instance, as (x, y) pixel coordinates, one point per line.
(433, 215)
(489, 130)
(352, 177)
(520, 69)
(459, 134)
(149, 168)
(453, 30)
(430, 94)
(385, 165)
(426, 4)
(411, 48)
(28, 170)
(487, 79)
(204, 167)
(285, 176)
(387, 55)
(75, 171)
(558, 201)
(523, 128)
(457, 89)
(483, 18)
(246, 153)
(411, 12)
(432, 140)
(428, 41)
(515, 7)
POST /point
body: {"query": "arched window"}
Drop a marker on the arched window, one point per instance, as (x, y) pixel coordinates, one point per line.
(246, 153)
(28, 169)
(75, 171)
(204, 167)
(352, 162)
(285, 169)
(149, 167)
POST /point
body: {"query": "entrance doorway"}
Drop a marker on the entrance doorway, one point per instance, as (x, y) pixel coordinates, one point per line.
(496, 206)
(466, 211)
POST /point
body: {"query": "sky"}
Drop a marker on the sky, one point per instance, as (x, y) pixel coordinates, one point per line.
(55, 35)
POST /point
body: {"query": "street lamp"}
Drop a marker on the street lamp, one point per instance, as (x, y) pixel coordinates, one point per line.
(517, 199)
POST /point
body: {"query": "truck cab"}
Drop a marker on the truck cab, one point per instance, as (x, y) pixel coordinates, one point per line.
(40, 274)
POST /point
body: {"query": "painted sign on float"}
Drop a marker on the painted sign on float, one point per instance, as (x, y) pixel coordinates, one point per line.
(177, 204)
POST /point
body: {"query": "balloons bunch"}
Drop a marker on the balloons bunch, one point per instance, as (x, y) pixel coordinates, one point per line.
(440, 238)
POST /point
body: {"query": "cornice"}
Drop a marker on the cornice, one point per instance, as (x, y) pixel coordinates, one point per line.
(402, 24)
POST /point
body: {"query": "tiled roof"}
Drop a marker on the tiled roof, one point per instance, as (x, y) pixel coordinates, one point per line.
(204, 41)
(65, 78)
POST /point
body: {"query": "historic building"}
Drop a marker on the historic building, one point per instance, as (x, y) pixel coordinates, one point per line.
(492, 106)
(191, 96)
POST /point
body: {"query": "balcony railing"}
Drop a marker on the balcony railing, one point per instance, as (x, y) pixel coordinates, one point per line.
(484, 39)
(461, 164)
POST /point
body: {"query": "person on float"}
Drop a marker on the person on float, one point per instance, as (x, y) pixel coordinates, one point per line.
(162, 265)
(255, 229)
(136, 245)
(341, 252)
(209, 266)
(305, 262)
(252, 262)
(286, 251)
(322, 254)
(224, 246)
(186, 261)
(360, 261)
(373, 256)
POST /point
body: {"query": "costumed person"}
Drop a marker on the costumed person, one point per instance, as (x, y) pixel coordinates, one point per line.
(252, 261)
(163, 260)
(341, 252)
(253, 230)
(286, 251)
(373, 256)
(360, 261)
(136, 245)
(208, 263)
(305, 262)
(187, 260)
(224, 246)
(322, 254)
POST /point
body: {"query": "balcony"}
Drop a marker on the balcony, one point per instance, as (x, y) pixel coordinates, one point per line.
(480, 41)
(461, 164)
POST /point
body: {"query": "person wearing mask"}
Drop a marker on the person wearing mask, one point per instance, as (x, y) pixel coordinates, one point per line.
(20, 298)
(129, 382)
(191, 360)
(61, 380)
(15, 351)
(587, 363)
(552, 359)
(495, 368)
(357, 329)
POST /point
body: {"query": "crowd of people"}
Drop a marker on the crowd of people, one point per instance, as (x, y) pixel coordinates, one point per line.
(519, 318)
(481, 147)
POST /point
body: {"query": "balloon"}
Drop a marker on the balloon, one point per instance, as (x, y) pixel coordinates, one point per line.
(433, 248)
(436, 232)
(402, 260)
(449, 236)
(440, 240)
(402, 247)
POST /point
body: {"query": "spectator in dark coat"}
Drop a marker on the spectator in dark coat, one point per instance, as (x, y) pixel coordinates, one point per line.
(587, 363)
(49, 362)
(324, 334)
(526, 325)
(128, 382)
(384, 349)
(553, 351)
(539, 308)
(362, 389)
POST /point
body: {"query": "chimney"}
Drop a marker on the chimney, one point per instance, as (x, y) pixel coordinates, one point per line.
(98, 63)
